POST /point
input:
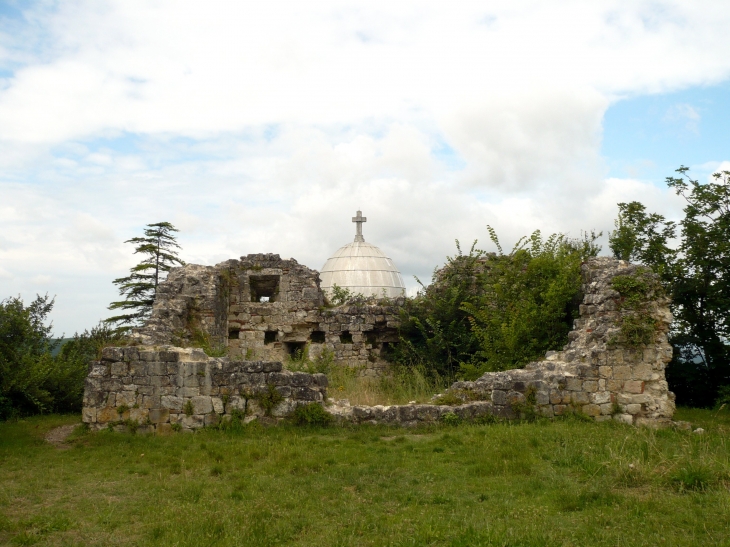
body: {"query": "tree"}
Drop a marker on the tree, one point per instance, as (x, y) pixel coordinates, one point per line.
(140, 287)
(697, 276)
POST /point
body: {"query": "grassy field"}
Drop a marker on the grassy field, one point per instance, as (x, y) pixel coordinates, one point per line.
(566, 482)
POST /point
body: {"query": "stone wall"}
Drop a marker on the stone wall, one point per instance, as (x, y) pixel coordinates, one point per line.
(594, 374)
(184, 389)
(262, 307)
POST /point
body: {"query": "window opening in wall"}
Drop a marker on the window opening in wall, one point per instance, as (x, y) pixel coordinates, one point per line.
(295, 349)
(346, 337)
(371, 338)
(264, 288)
(317, 337)
(386, 350)
(233, 334)
(270, 336)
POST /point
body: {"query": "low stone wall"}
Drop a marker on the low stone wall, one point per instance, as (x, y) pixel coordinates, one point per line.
(176, 388)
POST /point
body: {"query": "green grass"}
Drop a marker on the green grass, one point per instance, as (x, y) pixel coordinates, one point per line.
(556, 483)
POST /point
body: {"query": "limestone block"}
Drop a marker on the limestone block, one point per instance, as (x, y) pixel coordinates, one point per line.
(591, 410)
(159, 415)
(107, 414)
(119, 369)
(284, 408)
(605, 372)
(138, 414)
(163, 429)
(574, 384)
(112, 354)
(128, 398)
(624, 418)
(499, 397)
(211, 419)
(99, 370)
(172, 402)
(642, 372)
(188, 392)
(622, 372)
(217, 403)
(590, 386)
(600, 397)
(300, 379)
(202, 404)
(542, 398)
(632, 409)
(579, 398)
(149, 356)
(614, 385)
(88, 415)
(607, 408)
(196, 421)
(634, 386)
(272, 366)
(284, 391)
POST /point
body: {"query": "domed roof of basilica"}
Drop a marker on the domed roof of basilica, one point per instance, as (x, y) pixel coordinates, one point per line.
(362, 268)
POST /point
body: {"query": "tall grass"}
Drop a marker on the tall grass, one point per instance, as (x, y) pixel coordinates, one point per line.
(400, 386)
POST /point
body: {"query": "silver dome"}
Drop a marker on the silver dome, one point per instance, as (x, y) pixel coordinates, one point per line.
(362, 268)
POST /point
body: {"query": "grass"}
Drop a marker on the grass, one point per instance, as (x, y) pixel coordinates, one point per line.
(401, 387)
(558, 483)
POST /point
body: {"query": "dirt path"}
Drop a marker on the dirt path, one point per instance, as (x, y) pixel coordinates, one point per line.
(58, 436)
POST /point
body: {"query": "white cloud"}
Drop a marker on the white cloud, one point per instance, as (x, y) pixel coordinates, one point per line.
(262, 127)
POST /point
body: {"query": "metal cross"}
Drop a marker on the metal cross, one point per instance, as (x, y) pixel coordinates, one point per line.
(359, 219)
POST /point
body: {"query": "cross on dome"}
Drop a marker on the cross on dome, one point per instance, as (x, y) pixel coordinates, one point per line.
(359, 219)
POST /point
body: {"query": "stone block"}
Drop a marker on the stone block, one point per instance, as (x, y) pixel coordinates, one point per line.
(284, 391)
(172, 402)
(600, 397)
(163, 429)
(149, 356)
(320, 379)
(301, 379)
(579, 398)
(634, 386)
(112, 354)
(202, 404)
(624, 418)
(107, 414)
(622, 372)
(138, 414)
(542, 398)
(211, 419)
(606, 408)
(128, 398)
(591, 386)
(614, 385)
(272, 366)
(159, 415)
(253, 367)
(632, 409)
(217, 403)
(119, 368)
(169, 356)
(88, 415)
(499, 397)
(591, 410)
(574, 384)
(188, 391)
(642, 372)
(99, 370)
(196, 421)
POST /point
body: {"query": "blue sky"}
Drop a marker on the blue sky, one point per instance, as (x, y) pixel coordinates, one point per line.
(263, 127)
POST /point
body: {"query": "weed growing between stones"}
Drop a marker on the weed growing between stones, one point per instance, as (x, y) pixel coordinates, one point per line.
(637, 327)
(267, 399)
(312, 414)
(188, 408)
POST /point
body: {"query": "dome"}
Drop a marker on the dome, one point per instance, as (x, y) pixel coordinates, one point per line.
(362, 268)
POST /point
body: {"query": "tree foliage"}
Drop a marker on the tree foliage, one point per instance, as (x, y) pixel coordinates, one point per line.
(486, 311)
(695, 272)
(140, 287)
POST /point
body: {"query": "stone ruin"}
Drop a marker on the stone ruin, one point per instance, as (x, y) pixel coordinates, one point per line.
(263, 309)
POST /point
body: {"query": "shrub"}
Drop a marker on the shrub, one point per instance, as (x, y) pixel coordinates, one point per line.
(312, 414)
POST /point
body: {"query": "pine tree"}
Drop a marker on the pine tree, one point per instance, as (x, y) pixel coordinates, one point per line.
(140, 286)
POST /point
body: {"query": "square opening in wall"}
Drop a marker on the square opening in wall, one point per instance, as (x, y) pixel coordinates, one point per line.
(317, 337)
(233, 334)
(270, 336)
(371, 338)
(386, 351)
(264, 288)
(346, 337)
(295, 349)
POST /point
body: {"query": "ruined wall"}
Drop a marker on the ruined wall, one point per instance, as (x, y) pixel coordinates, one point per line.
(595, 374)
(262, 307)
(184, 389)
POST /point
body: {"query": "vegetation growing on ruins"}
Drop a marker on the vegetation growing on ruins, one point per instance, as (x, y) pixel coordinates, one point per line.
(158, 246)
(694, 273)
(487, 312)
(637, 326)
(565, 482)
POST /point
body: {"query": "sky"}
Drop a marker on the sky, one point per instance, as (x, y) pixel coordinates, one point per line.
(264, 126)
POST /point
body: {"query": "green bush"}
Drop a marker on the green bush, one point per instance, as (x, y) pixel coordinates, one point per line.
(32, 380)
(311, 414)
(487, 312)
